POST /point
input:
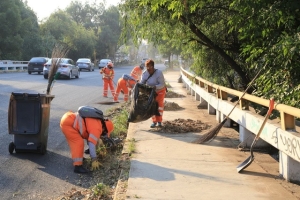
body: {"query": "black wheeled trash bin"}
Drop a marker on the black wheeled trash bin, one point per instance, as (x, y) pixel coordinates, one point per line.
(28, 121)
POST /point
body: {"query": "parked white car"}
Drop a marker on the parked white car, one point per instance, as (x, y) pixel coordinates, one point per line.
(66, 68)
(103, 63)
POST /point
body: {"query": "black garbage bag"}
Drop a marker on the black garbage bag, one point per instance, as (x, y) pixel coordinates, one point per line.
(143, 104)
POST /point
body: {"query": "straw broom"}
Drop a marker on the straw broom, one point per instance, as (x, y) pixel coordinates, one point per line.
(59, 51)
(211, 134)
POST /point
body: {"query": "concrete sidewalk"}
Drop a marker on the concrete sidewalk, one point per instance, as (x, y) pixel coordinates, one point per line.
(170, 167)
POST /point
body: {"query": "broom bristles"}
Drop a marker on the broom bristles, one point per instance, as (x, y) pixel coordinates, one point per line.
(211, 134)
(59, 51)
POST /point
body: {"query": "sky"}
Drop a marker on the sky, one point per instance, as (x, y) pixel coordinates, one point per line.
(43, 8)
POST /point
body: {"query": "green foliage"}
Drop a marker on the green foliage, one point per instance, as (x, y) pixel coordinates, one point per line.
(63, 29)
(269, 31)
(120, 124)
(131, 146)
(84, 27)
(101, 190)
(11, 21)
(228, 41)
(187, 26)
(110, 30)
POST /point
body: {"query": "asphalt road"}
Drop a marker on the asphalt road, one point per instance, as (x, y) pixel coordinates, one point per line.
(35, 176)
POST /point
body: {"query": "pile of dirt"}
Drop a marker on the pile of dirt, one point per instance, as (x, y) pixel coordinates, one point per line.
(172, 94)
(182, 126)
(171, 106)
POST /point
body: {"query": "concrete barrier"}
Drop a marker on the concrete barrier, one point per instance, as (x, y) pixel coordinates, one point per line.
(281, 133)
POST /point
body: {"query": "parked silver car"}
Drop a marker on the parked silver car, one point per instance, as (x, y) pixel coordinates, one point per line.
(85, 64)
(103, 63)
(66, 68)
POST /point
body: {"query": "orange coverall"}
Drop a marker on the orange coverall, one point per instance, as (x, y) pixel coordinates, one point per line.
(108, 76)
(136, 73)
(76, 129)
(123, 84)
(160, 100)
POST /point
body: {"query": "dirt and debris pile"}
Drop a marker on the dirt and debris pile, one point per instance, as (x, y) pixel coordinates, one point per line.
(171, 106)
(182, 126)
(172, 94)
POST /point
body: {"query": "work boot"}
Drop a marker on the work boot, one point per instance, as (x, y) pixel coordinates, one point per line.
(80, 169)
(159, 124)
(153, 125)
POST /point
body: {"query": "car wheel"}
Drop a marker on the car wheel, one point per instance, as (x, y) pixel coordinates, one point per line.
(70, 75)
(45, 76)
(77, 75)
(29, 72)
(11, 147)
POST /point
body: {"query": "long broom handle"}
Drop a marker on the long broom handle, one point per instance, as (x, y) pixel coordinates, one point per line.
(250, 84)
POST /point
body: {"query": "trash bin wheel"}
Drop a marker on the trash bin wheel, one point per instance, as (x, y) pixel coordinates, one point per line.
(11, 147)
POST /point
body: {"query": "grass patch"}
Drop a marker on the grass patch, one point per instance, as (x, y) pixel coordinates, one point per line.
(131, 146)
(101, 190)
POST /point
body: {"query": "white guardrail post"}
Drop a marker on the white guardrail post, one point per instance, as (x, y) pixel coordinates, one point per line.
(284, 135)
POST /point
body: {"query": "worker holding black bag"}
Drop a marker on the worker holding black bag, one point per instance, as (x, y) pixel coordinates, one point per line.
(155, 78)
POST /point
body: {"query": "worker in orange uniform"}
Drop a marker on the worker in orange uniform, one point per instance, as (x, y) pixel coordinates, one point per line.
(125, 83)
(76, 129)
(137, 71)
(108, 76)
(155, 78)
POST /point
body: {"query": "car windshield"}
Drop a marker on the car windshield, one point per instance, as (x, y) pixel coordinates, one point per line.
(104, 60)
(37, 60)
(83, 60)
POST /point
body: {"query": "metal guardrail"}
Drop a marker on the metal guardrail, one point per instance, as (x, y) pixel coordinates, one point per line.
(9, 65)
(288, 114)
(283, 135)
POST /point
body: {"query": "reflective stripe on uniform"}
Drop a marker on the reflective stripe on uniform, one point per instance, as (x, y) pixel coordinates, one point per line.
(78, 121)
(77, 159)
(93, 137)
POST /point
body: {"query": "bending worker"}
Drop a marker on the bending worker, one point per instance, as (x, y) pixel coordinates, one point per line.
(137, 71)
(108, 76)
(125, 83)
(76, 129)
(155, 78)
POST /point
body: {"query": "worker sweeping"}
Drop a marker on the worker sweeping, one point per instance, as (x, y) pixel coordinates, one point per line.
(137, 71)
(108, 76)
(155, 78)
(77, 128)
(125, 83)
